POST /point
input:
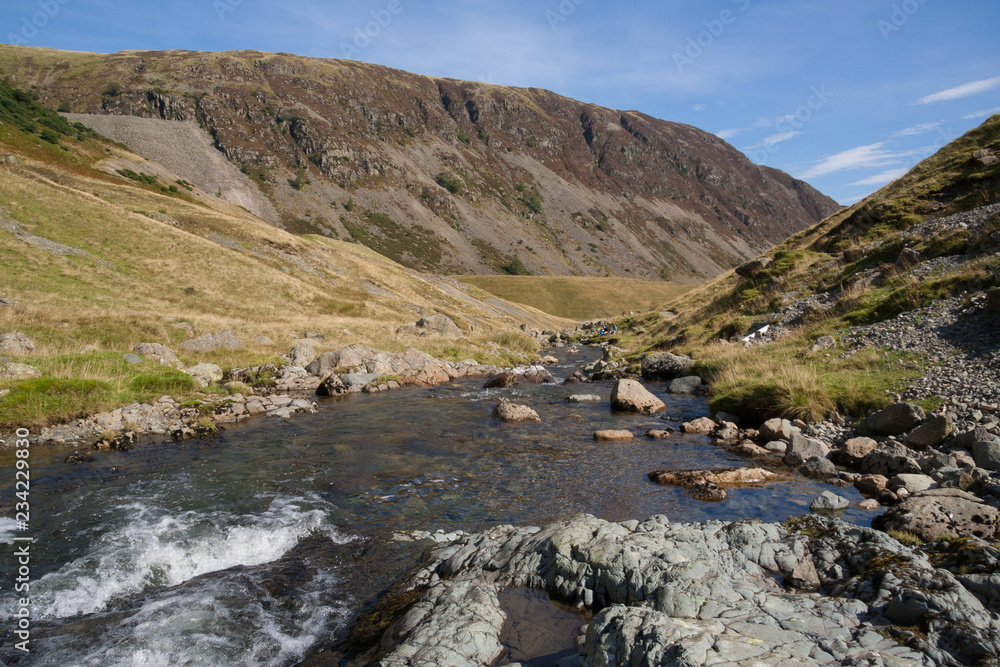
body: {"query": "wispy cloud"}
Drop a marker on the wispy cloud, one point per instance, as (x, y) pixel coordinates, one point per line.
(958, 92)
(916, 129)
(872, 155)
(699, 107)
(729, 134)
(883, 178)
(981, 113)
(774, 140)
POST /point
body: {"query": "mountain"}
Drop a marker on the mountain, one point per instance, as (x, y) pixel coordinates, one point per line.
(441, 175)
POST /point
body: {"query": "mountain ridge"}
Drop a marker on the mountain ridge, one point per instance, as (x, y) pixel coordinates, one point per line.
(447, 175)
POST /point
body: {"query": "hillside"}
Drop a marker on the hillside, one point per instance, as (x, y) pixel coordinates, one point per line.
(100, 247)
(442, 175)
(893, 281)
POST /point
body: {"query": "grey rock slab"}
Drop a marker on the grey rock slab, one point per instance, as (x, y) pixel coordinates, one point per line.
(987, 453)
(685, 385)
(665, 366)
(584, 398)
(158, 353)
(211, 342)
(506, 411)
(895, 419)
(932, 432)
(16, 343)
(11, 370)
(934, 513)
(132, 358)
(801, 449)
(829, 502)
(301, 355)
(913, 483)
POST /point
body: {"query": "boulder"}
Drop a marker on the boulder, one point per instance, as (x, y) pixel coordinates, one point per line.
(828, 503)
(506, 411)
(132, 358)
(538, 375)
(658, 433)
(332, 385)
(801, 449)
(932, 432)
(204, 374)
(753, 267)
(631, 396)
(10, 370)
(685, 385)
(324, 364)
(583, 398)
(968, 438)
(612, 435)
(987, 453)
(263, 340)
(824, 343)
(210, 342)
(913, 483)
(818, 468)
(871, 484)
(700, 425)
(935, 513)
(889, 459)
(16, 343)
(665, 366)
(895, 419)
(301, 355)
(856, 449)
(357, 380)
(502, 380)
(158, 353)
(777, 429)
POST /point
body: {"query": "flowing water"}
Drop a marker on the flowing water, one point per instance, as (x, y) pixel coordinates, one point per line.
(257, 546)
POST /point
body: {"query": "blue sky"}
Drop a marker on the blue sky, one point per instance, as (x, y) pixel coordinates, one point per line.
(846, 94)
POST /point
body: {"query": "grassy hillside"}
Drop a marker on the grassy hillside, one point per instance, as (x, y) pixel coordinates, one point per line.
(100, 247)
(579, 298)
(857, 262)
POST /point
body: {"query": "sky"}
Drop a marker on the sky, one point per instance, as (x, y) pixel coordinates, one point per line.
(845, 94)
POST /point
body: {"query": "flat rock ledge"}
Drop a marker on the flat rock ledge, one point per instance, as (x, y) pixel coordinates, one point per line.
(715, 593)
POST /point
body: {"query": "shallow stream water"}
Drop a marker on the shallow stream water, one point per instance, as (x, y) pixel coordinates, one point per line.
(257, 546)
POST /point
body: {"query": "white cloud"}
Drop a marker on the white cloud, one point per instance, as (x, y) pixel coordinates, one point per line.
(699, 107)
(916, 129)
(872, 155)
(883, 178)
(983, 113)
(958, 92)
(727, 134)
(773, 140)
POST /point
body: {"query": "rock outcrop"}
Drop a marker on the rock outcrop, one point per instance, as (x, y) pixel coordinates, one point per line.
(700, 594)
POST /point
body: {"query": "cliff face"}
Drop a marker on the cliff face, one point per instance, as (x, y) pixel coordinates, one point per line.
(446, 175)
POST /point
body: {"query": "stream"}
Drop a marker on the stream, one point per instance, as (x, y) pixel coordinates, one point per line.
(259, 545)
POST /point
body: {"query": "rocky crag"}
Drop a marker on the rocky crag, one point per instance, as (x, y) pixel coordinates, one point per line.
(438, 174)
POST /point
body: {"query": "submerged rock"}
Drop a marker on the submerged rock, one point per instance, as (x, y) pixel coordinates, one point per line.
(506, 411)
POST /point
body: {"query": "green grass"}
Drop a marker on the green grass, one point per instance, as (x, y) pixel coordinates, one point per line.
(75, 385)
(782, 380)
(577, 297)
